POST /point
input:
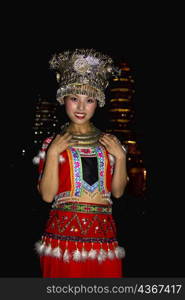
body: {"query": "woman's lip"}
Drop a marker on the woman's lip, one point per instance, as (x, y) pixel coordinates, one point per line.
(79, 116)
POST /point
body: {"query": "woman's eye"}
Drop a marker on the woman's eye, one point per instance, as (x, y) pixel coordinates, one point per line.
(90, 100)
(74, 99)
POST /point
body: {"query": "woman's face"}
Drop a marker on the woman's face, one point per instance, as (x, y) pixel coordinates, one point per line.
(80, 108)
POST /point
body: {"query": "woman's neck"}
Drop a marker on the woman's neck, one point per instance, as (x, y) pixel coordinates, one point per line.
(80, 129)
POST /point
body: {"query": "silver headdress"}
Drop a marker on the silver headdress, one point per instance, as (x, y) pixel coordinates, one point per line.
(83, 71)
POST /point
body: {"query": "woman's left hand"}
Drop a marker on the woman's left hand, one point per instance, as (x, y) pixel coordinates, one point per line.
(113, 145)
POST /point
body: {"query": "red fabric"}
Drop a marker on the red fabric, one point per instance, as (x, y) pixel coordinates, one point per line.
(61, 226)
(80, 225)
(55, 268)
(65, 172)
(45, 145)
(83, 224)
(108, 173)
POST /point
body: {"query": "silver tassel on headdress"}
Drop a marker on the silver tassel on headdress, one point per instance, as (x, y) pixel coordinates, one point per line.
(83, 71)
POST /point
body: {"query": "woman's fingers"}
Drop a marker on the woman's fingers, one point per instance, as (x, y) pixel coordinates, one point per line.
(68, 138)
(109, 138)
(105, 139)
(66, 135)
(102, 141)
(63, 138)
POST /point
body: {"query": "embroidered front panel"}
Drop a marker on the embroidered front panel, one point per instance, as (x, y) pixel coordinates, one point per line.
(101, 166)
(89, 171)
(87, 152)
(77, 172)
(77, 168)
(90, 188)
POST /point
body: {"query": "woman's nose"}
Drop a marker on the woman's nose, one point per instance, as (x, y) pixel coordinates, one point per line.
(81, 105)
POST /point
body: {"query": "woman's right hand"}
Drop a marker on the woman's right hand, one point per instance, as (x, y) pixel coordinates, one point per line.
(60, 143)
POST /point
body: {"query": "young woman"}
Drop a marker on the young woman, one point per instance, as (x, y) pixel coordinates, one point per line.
(79, 170)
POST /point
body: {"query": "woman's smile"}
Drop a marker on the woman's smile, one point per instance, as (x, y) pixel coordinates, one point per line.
(80, 115)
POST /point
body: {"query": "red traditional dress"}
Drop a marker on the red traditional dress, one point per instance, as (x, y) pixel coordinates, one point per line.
(80, 238)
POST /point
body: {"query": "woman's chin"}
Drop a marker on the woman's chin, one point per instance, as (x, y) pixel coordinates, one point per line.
(80, 121)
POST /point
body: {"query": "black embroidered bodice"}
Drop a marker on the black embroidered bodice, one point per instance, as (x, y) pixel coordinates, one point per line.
(90, 169)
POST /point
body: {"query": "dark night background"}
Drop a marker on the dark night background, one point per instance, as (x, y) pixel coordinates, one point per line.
(150, 229)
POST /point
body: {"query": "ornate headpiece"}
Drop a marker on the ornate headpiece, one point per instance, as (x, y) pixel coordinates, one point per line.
(83, 71)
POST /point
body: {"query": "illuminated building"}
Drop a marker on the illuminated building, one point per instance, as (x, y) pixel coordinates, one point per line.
(121, 123)
(121, 111)
(45, 123)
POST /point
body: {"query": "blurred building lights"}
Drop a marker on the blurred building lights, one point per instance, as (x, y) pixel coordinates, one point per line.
(45, 120)
(121, 117)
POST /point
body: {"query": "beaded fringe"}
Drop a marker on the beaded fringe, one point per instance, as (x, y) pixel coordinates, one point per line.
(43, 248)
(81, 89)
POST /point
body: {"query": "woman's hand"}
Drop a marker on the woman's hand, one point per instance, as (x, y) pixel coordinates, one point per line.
(60, 143)
(113, 145)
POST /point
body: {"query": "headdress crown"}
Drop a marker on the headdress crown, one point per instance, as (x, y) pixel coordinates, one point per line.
(83, 71)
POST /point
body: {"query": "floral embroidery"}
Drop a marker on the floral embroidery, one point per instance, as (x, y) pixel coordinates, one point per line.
(90, 188)
(59, 196)
(101, 167)
(77, 173)
(75, 221)
(82, 207)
